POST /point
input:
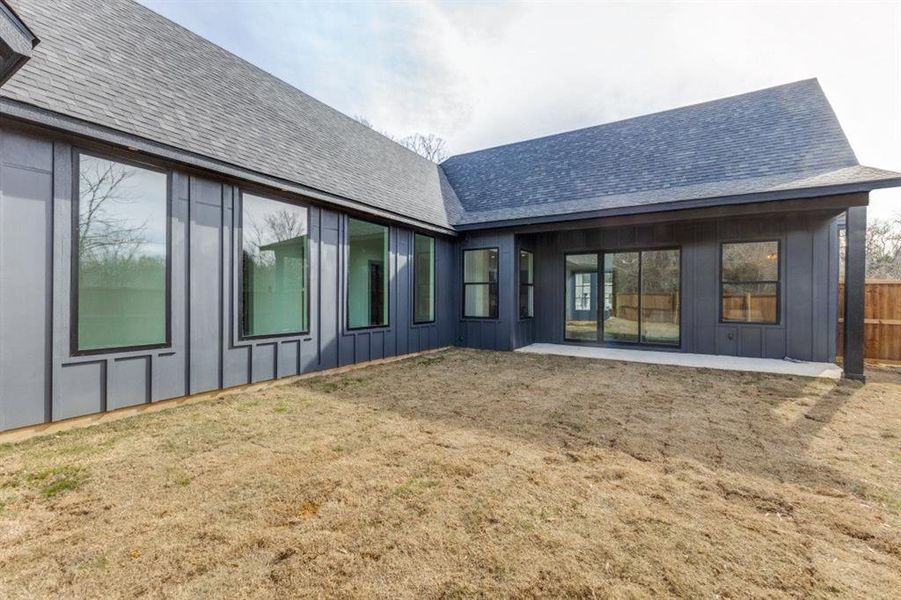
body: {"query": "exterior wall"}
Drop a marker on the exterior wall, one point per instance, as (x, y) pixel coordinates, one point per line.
(809, 290)
(41, 381)
(490, 334)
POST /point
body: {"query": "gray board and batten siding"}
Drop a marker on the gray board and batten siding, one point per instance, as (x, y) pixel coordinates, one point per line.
(42, 380)
(808, 296)
(808, 291)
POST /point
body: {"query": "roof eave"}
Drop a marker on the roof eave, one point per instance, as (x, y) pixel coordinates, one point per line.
(28, 114)
(711, 202)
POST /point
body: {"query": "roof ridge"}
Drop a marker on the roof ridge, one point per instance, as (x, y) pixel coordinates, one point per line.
(644, 116)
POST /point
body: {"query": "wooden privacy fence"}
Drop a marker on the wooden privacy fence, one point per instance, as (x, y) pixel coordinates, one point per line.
(882, 320)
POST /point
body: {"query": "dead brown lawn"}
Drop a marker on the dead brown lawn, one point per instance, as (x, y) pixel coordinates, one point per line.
(472, 473)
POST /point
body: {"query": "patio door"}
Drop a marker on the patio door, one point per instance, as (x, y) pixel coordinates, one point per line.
(581, 320)
(630, 297)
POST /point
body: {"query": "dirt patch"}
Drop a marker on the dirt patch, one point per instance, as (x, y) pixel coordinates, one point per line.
(472, 473)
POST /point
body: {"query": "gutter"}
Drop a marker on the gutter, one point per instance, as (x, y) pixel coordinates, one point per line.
(675, 205)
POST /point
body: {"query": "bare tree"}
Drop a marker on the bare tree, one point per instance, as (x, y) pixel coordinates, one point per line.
(883, 248)
(427, 145)
(102, 236)
(280, 226)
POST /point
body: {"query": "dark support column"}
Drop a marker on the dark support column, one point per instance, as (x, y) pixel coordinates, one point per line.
(855, 279)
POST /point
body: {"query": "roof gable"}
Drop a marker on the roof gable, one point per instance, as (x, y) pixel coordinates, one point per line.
(788, 129)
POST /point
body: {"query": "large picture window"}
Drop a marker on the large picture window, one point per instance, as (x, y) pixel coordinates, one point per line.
(274, 267)
(480, 283)
(120, 252)
(423, 278)
(367, 274)
(526, 285)
(750, 282)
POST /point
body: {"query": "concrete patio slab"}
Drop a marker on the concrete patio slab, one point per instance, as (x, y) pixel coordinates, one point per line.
(707, 361)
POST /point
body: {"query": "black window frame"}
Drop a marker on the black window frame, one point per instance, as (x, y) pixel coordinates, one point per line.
(526, 285)
(240, 250)
(778, 283)
(491, 285)
(387, 324)
(75, 257)
(599, 308)
(434, 279)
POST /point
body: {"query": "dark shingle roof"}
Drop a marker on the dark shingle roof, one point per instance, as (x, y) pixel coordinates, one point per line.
(118, 64)
(780, 138)
(121, 66)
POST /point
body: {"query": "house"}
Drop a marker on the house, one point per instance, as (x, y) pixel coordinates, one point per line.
(174, 220)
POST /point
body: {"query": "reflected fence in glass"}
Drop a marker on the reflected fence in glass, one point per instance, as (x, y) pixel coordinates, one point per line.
(750, 282)
(639, 302)
(621, 302)
(660, 304)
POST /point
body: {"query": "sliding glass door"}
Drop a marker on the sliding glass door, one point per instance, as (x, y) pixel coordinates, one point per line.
(581, 323)
(621, 274)
(633, 299)
(660, 296)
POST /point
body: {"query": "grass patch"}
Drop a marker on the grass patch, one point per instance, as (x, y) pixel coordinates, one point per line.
(415, 486)
(94, 564)
(888, 501)
(56, 480)
(427, 361)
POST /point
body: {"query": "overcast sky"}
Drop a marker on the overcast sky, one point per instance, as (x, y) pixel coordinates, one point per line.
(483, 74)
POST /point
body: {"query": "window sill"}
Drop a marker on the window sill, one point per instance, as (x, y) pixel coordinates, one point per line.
(365, 329)
(243, 342)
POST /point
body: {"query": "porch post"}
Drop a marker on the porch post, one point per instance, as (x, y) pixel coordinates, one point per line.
(855, 279)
